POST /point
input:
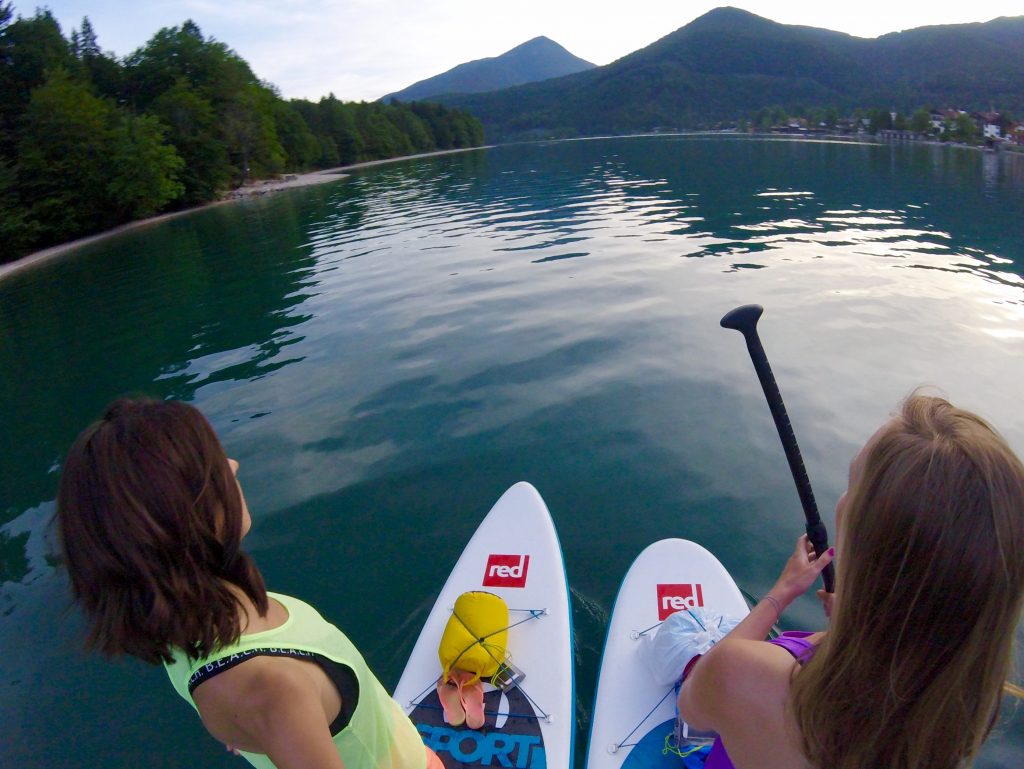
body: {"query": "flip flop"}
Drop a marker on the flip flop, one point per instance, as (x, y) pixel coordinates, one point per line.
(472, 695)
(449, 692)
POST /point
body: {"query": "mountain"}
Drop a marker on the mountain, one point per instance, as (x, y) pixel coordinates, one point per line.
(729, 63)
(537, 59)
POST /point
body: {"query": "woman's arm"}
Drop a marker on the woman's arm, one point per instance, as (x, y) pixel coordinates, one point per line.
(799, 573)
(270, 708)
(737, 666)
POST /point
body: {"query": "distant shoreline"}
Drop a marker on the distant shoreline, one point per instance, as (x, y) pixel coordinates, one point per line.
(839, 138)
(255, 189)
(294, 181)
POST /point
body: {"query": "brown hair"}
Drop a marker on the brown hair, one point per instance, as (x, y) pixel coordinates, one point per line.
(930, 585)
(150, 516)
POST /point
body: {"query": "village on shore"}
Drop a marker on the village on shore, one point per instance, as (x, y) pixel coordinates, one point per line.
(992, 130)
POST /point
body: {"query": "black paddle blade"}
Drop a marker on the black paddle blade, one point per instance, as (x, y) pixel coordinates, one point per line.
(743, 319)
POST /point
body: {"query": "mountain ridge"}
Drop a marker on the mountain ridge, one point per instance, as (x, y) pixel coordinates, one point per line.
(538, 59)
(729, 63)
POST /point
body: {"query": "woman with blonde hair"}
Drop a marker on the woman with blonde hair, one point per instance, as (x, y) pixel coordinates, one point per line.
(151, 520)
(929, 590)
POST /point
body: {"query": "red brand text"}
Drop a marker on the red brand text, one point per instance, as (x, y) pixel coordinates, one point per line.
(506, 570)
(673, 598)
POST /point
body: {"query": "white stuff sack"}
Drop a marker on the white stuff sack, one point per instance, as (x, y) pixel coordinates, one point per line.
(680, 638)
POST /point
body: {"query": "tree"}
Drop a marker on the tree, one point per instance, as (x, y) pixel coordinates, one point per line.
(763, 119)
(436, 118)
(315, 118)
(964, 129)
(339, 124)
(243, 107)
(301, 148)
(106, 73)
(193, 128)
(406, 121)
(921, 121)
(381, 138)
(329, 155)
(16, 232)
(75, 159)
(880, 120)
(30, 48)
(6, 53)
(251, 137)
(61, 157)
(88, 47)
(84, 165)
(174, 53)
(143, 168)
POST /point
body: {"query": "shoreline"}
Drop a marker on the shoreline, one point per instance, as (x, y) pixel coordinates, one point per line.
(246, 192)
(295, 181)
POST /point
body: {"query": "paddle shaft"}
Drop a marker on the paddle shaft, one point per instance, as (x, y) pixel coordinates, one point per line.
(744, 319)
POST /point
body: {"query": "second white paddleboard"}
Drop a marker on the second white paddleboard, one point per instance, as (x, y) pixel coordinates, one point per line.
(632, 713)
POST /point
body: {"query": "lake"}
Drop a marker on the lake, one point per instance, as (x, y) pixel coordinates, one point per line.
(385, 355)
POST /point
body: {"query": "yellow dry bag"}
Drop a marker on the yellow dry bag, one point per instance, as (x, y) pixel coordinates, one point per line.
(476, 635)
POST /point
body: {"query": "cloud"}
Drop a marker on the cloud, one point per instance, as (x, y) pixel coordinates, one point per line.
(363, 49)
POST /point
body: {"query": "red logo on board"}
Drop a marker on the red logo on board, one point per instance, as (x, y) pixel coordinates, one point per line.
(506, 570)
(673, 598)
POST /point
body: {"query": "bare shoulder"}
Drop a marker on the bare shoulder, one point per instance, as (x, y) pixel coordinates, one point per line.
(236, 705)
(737, 678)
(740, 691)
(750, 670)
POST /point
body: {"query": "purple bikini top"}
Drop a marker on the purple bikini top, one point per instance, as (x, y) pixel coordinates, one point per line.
(796, 643)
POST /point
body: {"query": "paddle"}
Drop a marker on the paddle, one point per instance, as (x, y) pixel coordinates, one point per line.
(744, 319)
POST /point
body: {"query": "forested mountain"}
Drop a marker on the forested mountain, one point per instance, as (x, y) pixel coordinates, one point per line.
(88, 141)
(730, 63)
(534, 60)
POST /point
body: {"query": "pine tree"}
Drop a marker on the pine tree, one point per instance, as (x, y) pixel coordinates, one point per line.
(88, 47)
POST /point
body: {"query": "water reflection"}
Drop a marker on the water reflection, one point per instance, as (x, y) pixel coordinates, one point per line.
(13, 563)
(214, 297)
(386, 354)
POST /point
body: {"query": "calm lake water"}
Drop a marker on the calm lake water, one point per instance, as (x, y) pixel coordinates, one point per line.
(387, 354)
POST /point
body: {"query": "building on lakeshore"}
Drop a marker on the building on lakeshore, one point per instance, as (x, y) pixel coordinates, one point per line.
(989, 125)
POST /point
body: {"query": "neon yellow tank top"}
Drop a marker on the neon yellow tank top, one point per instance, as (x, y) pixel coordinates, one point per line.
(378, 736)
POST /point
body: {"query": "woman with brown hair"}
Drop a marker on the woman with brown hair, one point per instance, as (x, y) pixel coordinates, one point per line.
(930, 585)
(151, 519)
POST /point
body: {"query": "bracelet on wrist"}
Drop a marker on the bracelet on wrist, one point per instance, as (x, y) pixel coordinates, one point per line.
(774, 602)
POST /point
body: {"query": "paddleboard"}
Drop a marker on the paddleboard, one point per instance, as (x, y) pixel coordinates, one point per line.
(514, 554)
(633, 714)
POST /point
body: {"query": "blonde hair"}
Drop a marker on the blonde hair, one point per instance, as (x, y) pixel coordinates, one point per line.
(930, 585)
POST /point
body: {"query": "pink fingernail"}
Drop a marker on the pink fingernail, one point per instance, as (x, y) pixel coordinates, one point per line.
(831, 551)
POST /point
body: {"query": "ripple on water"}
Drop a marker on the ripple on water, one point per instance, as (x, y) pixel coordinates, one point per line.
(385, 355)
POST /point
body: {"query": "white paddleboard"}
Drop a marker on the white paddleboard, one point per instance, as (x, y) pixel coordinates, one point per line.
(632, 713)
(514, 554)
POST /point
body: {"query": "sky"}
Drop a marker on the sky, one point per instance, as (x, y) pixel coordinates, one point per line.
(363, 49)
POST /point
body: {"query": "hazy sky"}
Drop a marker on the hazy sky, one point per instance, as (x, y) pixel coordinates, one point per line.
(363, 49)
